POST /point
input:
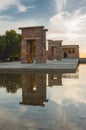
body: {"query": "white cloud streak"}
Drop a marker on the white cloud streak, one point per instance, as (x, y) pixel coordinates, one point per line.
(6, 17)
(8, 25)
(69, 27)
(21, 8)
(60, 4)
(6, 4)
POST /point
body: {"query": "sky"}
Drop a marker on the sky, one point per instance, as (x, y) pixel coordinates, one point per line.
(64, 19)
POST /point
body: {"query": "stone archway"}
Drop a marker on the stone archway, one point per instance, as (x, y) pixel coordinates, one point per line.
(54, 50)
(65, 54)
(29, 36)
(65, 51)
(31, 50)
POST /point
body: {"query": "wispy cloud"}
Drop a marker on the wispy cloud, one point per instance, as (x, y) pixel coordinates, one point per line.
(67, 23)
(4, 5)
(6, 17)
(68, 26)
(8, 24)
(74, 94)
(21, 8)
(60, 4)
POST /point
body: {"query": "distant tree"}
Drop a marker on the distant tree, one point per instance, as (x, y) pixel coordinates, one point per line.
(2, 47)
(12, 43)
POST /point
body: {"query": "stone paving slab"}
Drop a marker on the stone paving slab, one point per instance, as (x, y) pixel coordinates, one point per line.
(65, 64)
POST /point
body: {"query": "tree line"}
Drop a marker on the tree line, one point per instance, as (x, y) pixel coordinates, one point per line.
(10, 46)
(12, 82)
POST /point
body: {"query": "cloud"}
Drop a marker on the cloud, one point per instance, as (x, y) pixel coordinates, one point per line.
(60, 4)
(4, 5)
(6, 17)
(70, 27)
(8, 25)
(73, 94)
(21, 8)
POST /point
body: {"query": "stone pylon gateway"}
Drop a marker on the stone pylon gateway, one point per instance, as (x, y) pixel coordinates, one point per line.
(33, 46)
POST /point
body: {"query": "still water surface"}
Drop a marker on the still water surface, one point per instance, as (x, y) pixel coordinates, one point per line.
(43, 101)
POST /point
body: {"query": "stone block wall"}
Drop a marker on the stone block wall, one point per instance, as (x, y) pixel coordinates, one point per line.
(58, 51)
(54, 49)
(71, 51)
(37, 34)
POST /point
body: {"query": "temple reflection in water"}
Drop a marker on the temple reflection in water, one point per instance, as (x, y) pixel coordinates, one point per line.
(34, 85)
(54, 79)
(34, 89)
(71, 75)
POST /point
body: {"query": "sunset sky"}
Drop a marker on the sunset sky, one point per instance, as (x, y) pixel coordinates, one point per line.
(64, 19)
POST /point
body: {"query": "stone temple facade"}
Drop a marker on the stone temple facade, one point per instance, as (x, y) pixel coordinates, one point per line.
(70, 51)
(58, 51)
(54, 49)
(33, 47)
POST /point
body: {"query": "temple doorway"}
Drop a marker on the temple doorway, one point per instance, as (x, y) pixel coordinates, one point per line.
(31, 50)
(65, 55)
(54, 49)
(65, 50)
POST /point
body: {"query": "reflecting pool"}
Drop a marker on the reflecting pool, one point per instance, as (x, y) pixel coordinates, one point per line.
(43, 101)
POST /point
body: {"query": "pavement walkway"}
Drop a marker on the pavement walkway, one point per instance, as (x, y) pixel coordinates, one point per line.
(64, 64)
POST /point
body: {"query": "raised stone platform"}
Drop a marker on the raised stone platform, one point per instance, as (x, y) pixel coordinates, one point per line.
(82, 60)
(60, 65)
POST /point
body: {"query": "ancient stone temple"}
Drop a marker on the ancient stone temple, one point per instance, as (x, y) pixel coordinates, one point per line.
(58, 51)
(55, 49)
(33, 46)
(70, 51)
